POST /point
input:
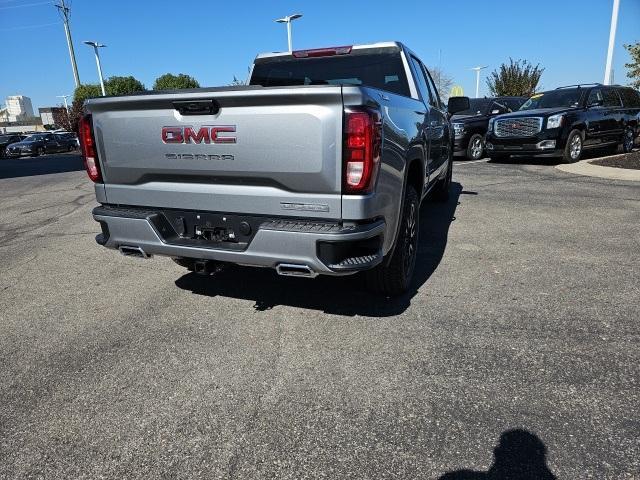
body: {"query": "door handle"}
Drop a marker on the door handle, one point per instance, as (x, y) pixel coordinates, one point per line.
(384, 97)
(196, 107)
(420, 112)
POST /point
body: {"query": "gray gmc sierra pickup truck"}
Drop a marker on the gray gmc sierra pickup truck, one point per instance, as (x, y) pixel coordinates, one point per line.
(318, 166)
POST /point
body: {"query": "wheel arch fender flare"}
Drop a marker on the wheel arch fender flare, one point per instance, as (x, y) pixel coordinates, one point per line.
(410, 167)
(581, 126)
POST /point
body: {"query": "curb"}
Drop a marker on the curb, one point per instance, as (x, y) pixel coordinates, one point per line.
(584, 167)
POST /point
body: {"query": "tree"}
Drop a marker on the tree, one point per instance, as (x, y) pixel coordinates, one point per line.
(442, 81)
(169, 81)
(634, 65)
(80, 95)
(86, 91)
(113, 86)
(62, 119)
(519, 79)
(123, 85)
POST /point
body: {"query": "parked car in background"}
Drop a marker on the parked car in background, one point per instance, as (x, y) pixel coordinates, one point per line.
(37, 144)
(566, 121)
(318, 166)
(68, 139)
(470, 126)
(8, 139)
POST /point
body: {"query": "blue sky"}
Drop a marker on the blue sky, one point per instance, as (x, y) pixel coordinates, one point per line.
(213, 41)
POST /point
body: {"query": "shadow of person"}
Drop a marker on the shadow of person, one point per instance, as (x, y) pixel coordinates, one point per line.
(520, 455)
(336, 295)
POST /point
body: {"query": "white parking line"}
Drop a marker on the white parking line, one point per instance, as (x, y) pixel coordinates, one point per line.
(472, 161)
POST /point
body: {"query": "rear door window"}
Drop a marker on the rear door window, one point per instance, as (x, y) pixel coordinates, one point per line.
(432, 86)
(630, 97)
(422, 80)
(611, 98)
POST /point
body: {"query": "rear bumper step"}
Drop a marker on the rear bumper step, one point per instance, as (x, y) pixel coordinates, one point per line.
(297, 247)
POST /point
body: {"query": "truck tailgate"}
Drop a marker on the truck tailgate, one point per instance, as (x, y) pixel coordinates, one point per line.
(271, 151)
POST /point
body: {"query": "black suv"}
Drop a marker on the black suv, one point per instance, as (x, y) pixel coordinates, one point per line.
(470, 126)
(566, 121)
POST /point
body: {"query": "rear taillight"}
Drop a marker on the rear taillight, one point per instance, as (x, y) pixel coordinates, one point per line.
(362, 144)
(89, 149)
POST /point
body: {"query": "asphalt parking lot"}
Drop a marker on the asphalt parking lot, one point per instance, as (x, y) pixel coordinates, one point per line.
(517, 351)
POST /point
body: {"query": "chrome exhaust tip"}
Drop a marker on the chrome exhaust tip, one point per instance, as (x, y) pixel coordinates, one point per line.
(132, 251)
(295, 270)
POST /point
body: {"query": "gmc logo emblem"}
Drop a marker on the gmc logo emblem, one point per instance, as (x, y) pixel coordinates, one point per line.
(205, 134)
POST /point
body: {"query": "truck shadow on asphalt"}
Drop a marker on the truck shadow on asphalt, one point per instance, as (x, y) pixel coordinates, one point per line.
(47, 164)
(519, 455)
(335, 295)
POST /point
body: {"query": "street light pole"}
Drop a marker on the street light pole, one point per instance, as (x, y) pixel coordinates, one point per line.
(64, 98)
(612, 41)
(477, 70)
(95, 46)
(64, 11)
(288, 19)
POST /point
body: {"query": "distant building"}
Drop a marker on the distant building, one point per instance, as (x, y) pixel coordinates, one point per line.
(19, 108)
(47, 114)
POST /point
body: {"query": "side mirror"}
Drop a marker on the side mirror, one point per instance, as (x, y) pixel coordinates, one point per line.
(457, 104)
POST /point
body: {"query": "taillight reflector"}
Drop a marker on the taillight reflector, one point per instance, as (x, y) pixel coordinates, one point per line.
(363, 138)
(89, 154)
(322, 52)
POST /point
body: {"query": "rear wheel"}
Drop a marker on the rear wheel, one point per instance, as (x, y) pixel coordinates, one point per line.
(573, 148)
(475, 149)
(393, 277)
(627, 140)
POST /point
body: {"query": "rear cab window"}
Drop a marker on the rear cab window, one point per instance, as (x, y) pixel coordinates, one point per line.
(377, 68)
